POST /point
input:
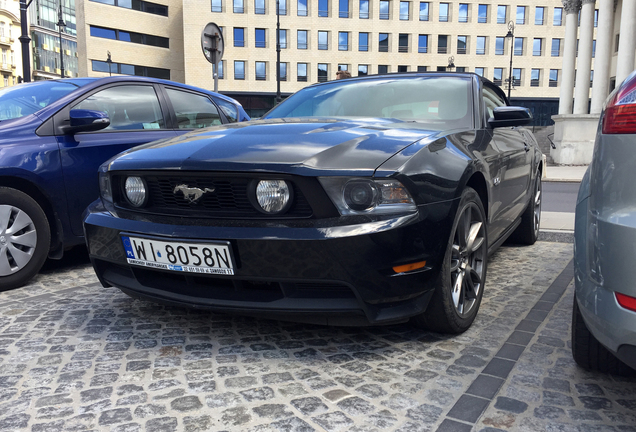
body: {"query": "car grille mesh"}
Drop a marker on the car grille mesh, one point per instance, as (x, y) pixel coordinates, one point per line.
(229, 198)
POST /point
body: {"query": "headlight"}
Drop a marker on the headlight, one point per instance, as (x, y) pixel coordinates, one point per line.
(135, 191)
(273, 196)
(105, 189)
(363, 195)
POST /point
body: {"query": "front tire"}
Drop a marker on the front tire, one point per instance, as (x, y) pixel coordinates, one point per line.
(456, 299)
(25, 238)
(589, 353)
(527, 232)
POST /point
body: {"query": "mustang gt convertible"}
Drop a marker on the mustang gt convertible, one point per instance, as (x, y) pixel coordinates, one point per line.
(371, 200)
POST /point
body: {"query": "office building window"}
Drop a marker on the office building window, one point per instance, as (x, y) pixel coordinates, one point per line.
(556, 47)
(363, 70)
(539, 15)
(259, 7)
(422, 44)
(239, 70)
(126, 36)
(537, 47)
(519, 46)
(521, 14)
(363, 41)
(535, 75)
(282, 7)
(139, 5)
(283, 71)
(554, 77)
(343, 9)
(384, 9)
(616, 42)
(323, 8)
(301, 10)
(323, 40)
(482, 14)
(383, 44)
(502, 14)
(463, 13)
(500, 45)
(481, 45)
(444, 10)
(403, 42)
(516, 77)
(403, 68)
(364, 9)
(323, 69)
(239, 37)
(460, 69)
(217, 6)
(220, 69)
(343, 41)
(497, 76)
(442, 44)
(259, 38)
(283, 38)
(424, 7)
(343, 67)
(239, 7)
(383, 69)
(558, 16)
(422, 68)
(405, 10)
(301, 72)
(480, 71)
(595, 18)
(461, 44)
(594, 48)
(301, 39)
(261, 71)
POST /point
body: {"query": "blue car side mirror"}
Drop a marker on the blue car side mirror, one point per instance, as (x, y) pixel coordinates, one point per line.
(82, 120)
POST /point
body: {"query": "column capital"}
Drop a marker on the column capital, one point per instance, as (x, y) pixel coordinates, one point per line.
(589, 1)
(571, 6)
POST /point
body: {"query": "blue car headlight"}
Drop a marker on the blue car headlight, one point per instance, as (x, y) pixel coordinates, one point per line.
(364, 195)
(105, 188)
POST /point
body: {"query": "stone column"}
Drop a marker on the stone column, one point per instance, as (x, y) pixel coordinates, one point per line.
(584, 65)
(627, 43)
(604, 33)
(571, 8)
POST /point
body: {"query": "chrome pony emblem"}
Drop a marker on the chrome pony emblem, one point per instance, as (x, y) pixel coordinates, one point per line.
(192, 194)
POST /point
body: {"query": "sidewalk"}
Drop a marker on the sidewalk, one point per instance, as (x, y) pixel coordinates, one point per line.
(560, 224)
(562, 173)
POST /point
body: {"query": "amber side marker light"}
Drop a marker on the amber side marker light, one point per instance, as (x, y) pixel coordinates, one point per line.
(626, 301)
(409, 267)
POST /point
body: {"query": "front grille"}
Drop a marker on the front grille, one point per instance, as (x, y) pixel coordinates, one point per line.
(229, 198)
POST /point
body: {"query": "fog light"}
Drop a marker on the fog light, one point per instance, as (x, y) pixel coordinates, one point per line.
(135, 191)
(273, 196)
(409, 267)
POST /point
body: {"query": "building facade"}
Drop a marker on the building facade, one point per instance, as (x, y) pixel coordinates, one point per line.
(10, 66)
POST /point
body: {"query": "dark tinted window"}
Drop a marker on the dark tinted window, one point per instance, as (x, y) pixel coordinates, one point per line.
(193, 110)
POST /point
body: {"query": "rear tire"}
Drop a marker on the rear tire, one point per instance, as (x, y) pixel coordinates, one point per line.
(462, 277)
(25, 238)
(527, 232)
(588, 351)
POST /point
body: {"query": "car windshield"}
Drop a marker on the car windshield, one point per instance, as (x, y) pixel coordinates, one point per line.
(25, 99)
(441, 101)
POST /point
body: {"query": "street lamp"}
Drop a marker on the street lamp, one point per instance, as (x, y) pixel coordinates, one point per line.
(451, 63)
(60, 24)
(110, 62)
(511, 35)
(278, 98)
(25, 41)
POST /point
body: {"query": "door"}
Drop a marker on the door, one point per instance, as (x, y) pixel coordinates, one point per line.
(136, 117)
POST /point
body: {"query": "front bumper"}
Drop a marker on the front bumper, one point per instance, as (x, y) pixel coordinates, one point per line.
(320, 271)
(603, 263)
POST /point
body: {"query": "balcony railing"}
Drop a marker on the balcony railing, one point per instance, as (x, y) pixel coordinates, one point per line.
(260, 44)
(538, 21)
(501, 20)
(302, 12)
(499, 51)
(443, 18)
(217, 8)
(302, 78)
(405, 17)
(481, 51)
(323, 13)
(536, 53)
(343, 14)
(461, 50)
(239, 43)
(261, 77)
(422, 49)
(534, 83)
(521, 21)
(343, 47)
(239, 9)
(282, 11)
(363, 48)
(302, 46)
(462, 19)
(557, 22)
(384, 15)
(497, 81)
(552, 83)
(322, 78)
(364, 15)
(323, 46)
(423, 17)
(259, 11)
(518, 51)
(239, 76)
(556, 53)
(403, 48)
(442, 50)
(383, 48)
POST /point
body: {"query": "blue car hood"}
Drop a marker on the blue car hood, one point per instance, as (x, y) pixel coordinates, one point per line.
(291, 145)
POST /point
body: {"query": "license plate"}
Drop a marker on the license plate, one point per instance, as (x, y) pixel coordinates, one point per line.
(209, 257)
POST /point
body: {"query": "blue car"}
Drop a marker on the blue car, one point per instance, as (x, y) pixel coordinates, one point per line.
(54, 136)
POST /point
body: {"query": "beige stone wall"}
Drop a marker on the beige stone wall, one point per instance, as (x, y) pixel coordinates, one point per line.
(10, 16)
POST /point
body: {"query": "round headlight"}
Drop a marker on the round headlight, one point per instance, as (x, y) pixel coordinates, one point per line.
(135, 191)
(361, 194)
(273, 196)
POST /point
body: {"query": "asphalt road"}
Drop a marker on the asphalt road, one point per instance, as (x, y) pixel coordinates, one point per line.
(559, 196)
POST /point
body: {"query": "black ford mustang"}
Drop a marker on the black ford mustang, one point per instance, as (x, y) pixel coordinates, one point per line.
(368, 200)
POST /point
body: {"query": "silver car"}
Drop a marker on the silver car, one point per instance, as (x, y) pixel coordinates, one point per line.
(604, 313)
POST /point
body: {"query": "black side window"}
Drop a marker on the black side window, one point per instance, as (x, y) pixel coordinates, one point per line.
(192, 110)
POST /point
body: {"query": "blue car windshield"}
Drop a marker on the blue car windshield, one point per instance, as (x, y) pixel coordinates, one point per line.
(440, 101)
(25, 99)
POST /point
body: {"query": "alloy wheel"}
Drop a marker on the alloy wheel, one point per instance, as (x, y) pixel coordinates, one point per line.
(467, 260)
(537, 204)
(18, 238)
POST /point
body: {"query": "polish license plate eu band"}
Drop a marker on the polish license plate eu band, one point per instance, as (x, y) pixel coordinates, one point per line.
(208, 257)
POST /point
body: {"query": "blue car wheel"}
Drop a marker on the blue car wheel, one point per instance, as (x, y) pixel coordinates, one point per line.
(24, 238)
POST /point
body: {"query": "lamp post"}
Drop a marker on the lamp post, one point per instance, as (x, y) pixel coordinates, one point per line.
(110, 62)
(25, 40)
(60, 24)
(511, 35)
(451, 63)
(278, 98)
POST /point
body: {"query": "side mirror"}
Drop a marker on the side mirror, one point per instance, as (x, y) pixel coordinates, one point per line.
(82, 120)
(509, 116)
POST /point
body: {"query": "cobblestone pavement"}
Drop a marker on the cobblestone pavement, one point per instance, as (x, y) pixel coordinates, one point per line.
(75, 356)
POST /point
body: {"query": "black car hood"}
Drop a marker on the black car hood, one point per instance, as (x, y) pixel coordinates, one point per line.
(291, 145)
